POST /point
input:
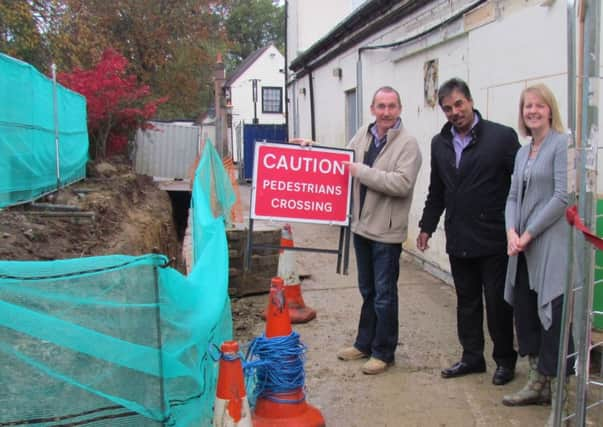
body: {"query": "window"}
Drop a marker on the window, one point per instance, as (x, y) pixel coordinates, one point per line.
(350, 114)
(272, 100)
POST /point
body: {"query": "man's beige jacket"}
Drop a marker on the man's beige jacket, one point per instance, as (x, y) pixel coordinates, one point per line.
(390, 183)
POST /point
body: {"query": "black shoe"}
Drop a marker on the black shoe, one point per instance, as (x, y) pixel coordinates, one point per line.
(461, 368)
(503, 375)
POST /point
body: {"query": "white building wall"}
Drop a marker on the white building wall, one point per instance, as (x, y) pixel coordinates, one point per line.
(498, 51)
(268, 68)
(424, 122)
(311, 20)
(329, 97)
(307, 22)
(300, 123)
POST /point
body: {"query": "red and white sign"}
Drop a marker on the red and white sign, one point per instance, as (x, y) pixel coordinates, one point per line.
(293, 183)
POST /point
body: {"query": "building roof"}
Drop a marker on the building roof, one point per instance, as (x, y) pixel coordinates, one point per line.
(247, 62)
(368, 19)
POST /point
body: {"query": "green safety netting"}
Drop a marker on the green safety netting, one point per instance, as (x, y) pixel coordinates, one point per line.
(119, 340)
(35, 158)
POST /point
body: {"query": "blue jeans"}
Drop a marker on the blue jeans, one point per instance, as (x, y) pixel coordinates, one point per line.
(378, 270)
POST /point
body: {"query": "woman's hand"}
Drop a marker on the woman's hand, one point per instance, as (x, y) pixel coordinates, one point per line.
(512, 242)
(524, 241)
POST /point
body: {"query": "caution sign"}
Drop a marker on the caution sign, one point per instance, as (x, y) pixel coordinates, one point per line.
(293, 183)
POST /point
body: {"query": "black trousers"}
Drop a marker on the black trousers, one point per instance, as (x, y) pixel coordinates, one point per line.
(532, 338)
(472, 278)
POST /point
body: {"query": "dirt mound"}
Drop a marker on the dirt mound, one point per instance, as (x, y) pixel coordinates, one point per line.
(112, 211)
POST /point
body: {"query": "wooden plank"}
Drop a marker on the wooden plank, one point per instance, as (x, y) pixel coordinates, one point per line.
(482, 15)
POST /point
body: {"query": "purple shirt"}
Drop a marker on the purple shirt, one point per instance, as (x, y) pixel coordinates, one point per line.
(379, 141)
(460, 142)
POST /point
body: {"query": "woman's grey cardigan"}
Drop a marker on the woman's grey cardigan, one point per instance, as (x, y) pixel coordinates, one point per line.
(541, 212)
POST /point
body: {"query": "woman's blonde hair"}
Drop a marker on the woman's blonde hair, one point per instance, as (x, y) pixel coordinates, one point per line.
(547, 96)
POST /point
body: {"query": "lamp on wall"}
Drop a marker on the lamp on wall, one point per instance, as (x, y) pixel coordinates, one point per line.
(227, 94)
(302, 91)
(337, 72)
(228, 108)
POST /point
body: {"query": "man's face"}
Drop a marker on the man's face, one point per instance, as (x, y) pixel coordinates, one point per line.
(386, 109)
(458, 111)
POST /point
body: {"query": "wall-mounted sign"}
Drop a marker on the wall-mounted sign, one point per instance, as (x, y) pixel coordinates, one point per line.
(293, 183)
(430, 83)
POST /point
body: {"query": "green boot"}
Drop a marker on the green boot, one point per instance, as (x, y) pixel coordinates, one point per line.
(564, 404)
(537, 390)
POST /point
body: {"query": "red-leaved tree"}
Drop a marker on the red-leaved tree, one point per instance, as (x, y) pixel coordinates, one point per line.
(117, 105)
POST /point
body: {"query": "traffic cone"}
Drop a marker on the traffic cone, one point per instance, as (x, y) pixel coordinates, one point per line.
(298, 311)
(287, 409)
(231, 408)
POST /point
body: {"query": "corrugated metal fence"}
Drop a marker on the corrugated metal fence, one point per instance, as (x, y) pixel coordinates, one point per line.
(168, 151)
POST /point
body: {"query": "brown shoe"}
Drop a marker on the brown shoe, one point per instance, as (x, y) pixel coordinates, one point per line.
(351, 353)
(374, 366)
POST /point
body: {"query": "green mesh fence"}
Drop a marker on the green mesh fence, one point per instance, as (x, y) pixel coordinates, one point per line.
(119, 340)
(28, 142)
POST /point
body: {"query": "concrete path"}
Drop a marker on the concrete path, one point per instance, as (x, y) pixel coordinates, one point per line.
(412, 392)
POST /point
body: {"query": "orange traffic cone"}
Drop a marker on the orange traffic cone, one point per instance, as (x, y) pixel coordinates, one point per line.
(231, 408)
(287, 409)
(298, 311)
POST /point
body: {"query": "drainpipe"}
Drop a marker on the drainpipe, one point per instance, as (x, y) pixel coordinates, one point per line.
(312, 116)
(571, 66)
(359, 86)
(286, 72)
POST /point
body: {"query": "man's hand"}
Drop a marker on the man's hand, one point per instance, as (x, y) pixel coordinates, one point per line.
(302, 141)
(422, 240)
(353, 167)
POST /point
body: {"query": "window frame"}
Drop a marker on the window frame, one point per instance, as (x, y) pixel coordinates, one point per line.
(280, 99)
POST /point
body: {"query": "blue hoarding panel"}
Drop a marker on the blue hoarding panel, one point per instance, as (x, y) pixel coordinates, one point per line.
(252, 133)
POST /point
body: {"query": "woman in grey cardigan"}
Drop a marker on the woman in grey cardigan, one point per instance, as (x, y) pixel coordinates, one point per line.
(537, 236)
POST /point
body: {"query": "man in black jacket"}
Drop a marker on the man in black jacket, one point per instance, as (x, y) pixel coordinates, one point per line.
(471, 166)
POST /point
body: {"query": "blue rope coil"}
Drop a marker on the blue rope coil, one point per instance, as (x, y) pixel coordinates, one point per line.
(278, 364)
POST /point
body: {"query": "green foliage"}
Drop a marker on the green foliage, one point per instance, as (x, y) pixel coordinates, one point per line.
(170, 45)
(19, 35)
(252, 24)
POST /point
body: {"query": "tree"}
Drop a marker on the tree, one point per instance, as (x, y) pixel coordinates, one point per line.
(19, 34)
(116, 104)
(252, 24)
(170, 45)
(74, 37)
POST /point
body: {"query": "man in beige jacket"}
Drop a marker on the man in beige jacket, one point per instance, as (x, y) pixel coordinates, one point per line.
(387, 163)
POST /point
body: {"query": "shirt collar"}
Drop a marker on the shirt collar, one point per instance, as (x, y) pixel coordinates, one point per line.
(379, 141)
(455, 134)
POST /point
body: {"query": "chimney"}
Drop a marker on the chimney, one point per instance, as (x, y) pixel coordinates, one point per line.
(219, 103)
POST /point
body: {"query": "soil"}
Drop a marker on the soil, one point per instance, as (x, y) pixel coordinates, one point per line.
(112, 211)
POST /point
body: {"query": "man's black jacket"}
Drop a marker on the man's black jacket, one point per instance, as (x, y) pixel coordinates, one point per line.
(474, 195)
